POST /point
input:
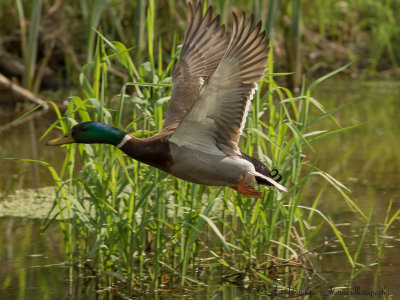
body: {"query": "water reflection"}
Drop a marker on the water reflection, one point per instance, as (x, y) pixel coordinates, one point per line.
(29, 262)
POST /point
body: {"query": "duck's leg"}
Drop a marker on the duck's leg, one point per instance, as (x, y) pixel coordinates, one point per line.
(246, 190)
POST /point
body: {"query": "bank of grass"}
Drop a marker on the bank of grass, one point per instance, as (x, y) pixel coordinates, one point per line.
(135, 227)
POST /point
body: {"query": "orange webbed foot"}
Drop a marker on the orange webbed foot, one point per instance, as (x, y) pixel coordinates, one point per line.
(246, 190)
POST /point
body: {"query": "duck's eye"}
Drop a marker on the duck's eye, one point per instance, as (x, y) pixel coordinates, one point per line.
(84, 128)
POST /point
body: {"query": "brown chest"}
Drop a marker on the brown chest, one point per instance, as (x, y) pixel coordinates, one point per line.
(155, 153)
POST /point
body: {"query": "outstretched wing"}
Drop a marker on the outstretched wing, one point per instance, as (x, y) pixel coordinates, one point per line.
(203, 46)
(216, 119)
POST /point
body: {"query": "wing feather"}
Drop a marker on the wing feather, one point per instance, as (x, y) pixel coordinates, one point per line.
(203, 47)
(216, 120)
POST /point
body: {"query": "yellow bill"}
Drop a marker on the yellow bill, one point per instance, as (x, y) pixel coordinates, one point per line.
(66, 139)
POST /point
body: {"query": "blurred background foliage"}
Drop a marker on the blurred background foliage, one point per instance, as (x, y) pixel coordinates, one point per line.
(45, 43)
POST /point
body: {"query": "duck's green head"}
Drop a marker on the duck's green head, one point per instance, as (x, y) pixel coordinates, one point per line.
(90, 133)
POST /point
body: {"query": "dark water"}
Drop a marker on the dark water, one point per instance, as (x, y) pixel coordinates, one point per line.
(30, 263)
(366, 159)
(23, 142)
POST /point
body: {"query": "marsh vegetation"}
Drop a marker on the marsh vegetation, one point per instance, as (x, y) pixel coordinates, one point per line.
(130, 227)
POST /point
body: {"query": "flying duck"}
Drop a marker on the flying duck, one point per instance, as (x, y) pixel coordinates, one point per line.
(212, 87)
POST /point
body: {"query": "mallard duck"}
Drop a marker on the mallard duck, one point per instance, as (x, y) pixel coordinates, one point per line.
(212, 87)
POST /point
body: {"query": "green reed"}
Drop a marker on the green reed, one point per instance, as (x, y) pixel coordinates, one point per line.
(136, 226)
(29, 40)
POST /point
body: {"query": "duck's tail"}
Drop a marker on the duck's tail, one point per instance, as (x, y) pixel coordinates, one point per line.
(263, 175)
(261, 178)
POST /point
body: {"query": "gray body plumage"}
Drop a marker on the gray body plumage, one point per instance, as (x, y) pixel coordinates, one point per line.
(210, 169)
